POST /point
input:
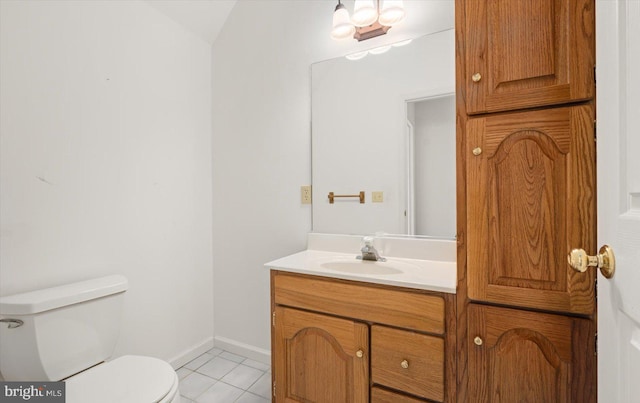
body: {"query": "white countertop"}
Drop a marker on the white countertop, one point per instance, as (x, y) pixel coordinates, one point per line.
(402, 272)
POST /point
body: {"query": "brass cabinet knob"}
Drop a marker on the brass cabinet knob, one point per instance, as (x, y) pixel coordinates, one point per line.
(477, 151)
(359, 353)
(478, 340)
(476, 77)
(404, 364)
(604, 260)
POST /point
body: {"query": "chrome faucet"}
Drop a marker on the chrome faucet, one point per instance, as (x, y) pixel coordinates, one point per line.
(369, 252)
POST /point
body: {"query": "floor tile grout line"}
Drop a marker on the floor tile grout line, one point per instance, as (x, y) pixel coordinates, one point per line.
(216, 381)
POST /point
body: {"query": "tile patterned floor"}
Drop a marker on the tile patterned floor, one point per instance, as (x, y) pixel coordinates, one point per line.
(219, 376)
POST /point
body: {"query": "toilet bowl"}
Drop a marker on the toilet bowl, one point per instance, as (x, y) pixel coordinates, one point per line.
(126, 379)
(68, 333)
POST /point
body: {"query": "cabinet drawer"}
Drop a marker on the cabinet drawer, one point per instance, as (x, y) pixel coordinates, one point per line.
(408, 361)
(379, 395)
(406, 309)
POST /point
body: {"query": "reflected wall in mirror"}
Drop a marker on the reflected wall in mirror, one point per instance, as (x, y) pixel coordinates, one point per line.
(386, 123)
(431, 164)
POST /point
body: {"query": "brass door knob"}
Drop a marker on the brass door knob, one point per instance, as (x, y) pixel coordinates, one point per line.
(404, 364)
(604, 260)
(359, 353)
(478, 340)
(476, 77)
(477, 151)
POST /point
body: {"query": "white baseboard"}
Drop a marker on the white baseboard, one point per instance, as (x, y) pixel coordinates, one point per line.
(191, 353)
(245, 350)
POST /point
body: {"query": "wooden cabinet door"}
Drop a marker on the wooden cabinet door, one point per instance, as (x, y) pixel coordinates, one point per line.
(520, 54)
(530, 200)
(320, 358)
(520, 356)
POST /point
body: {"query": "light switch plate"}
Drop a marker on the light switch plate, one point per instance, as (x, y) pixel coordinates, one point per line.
(305, 194)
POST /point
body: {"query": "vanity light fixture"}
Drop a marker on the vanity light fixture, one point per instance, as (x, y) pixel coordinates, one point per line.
(370, 18)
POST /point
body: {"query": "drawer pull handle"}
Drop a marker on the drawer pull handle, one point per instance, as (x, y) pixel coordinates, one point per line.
(404, 364)
(478, 341)
(477, 151)
(476, 77)
(359, 353)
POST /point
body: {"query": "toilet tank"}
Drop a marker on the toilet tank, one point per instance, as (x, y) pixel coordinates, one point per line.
(65, 329)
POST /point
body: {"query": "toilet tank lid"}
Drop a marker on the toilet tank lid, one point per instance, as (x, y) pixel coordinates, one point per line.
(55, 297)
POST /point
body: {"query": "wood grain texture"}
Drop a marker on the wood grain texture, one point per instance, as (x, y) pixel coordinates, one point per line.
(379, 395)
(389, 305)
(424, 375)
(529, 53)
(528, 357)
(461, 348)
(450, 349)
(316, 358)
(531, 199)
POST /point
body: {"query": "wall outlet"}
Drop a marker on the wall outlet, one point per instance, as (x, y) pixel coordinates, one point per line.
(305, 194)
(377, 197)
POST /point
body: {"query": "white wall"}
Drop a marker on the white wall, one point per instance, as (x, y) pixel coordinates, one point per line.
(261, 150)
(105, 125)
(261, 157)
(435, 166)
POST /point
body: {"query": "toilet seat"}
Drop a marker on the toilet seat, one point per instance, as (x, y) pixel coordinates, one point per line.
(127, 379)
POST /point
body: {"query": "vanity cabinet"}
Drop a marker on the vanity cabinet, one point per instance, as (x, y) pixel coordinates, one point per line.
(522, 54)
(518, 356)
(346, 341)
(531, 199)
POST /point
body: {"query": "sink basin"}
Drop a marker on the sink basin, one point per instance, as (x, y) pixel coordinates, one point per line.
(356, 266)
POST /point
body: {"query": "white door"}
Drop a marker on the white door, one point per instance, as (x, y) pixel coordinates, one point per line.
(618, 155)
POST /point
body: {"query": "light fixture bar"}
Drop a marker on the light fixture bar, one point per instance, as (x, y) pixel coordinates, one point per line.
(371, 31)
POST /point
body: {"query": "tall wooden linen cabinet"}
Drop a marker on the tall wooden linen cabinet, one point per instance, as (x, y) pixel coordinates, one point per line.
(526, 196)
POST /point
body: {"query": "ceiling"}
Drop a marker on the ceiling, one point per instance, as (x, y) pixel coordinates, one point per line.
(204, 18)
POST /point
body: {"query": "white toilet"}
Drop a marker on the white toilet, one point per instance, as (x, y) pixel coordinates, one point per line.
(67, 333)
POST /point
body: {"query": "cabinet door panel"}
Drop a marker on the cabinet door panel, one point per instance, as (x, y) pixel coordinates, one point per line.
(527, 53)
(519, 356)
(317, 358)
(531, 199)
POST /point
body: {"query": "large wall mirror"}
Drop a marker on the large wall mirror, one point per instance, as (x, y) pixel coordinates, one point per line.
(386, 123)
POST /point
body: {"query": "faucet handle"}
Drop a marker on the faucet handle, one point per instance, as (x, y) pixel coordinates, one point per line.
(368, 241)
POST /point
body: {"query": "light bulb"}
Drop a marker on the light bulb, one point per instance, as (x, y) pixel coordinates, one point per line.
(392, 12)
(357, 56)
(364, 13)
(380, 50)
(402, 43)
(342, 27)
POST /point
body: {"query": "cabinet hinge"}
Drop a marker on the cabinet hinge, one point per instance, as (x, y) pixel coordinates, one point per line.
(274, 389)
(273, 319)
